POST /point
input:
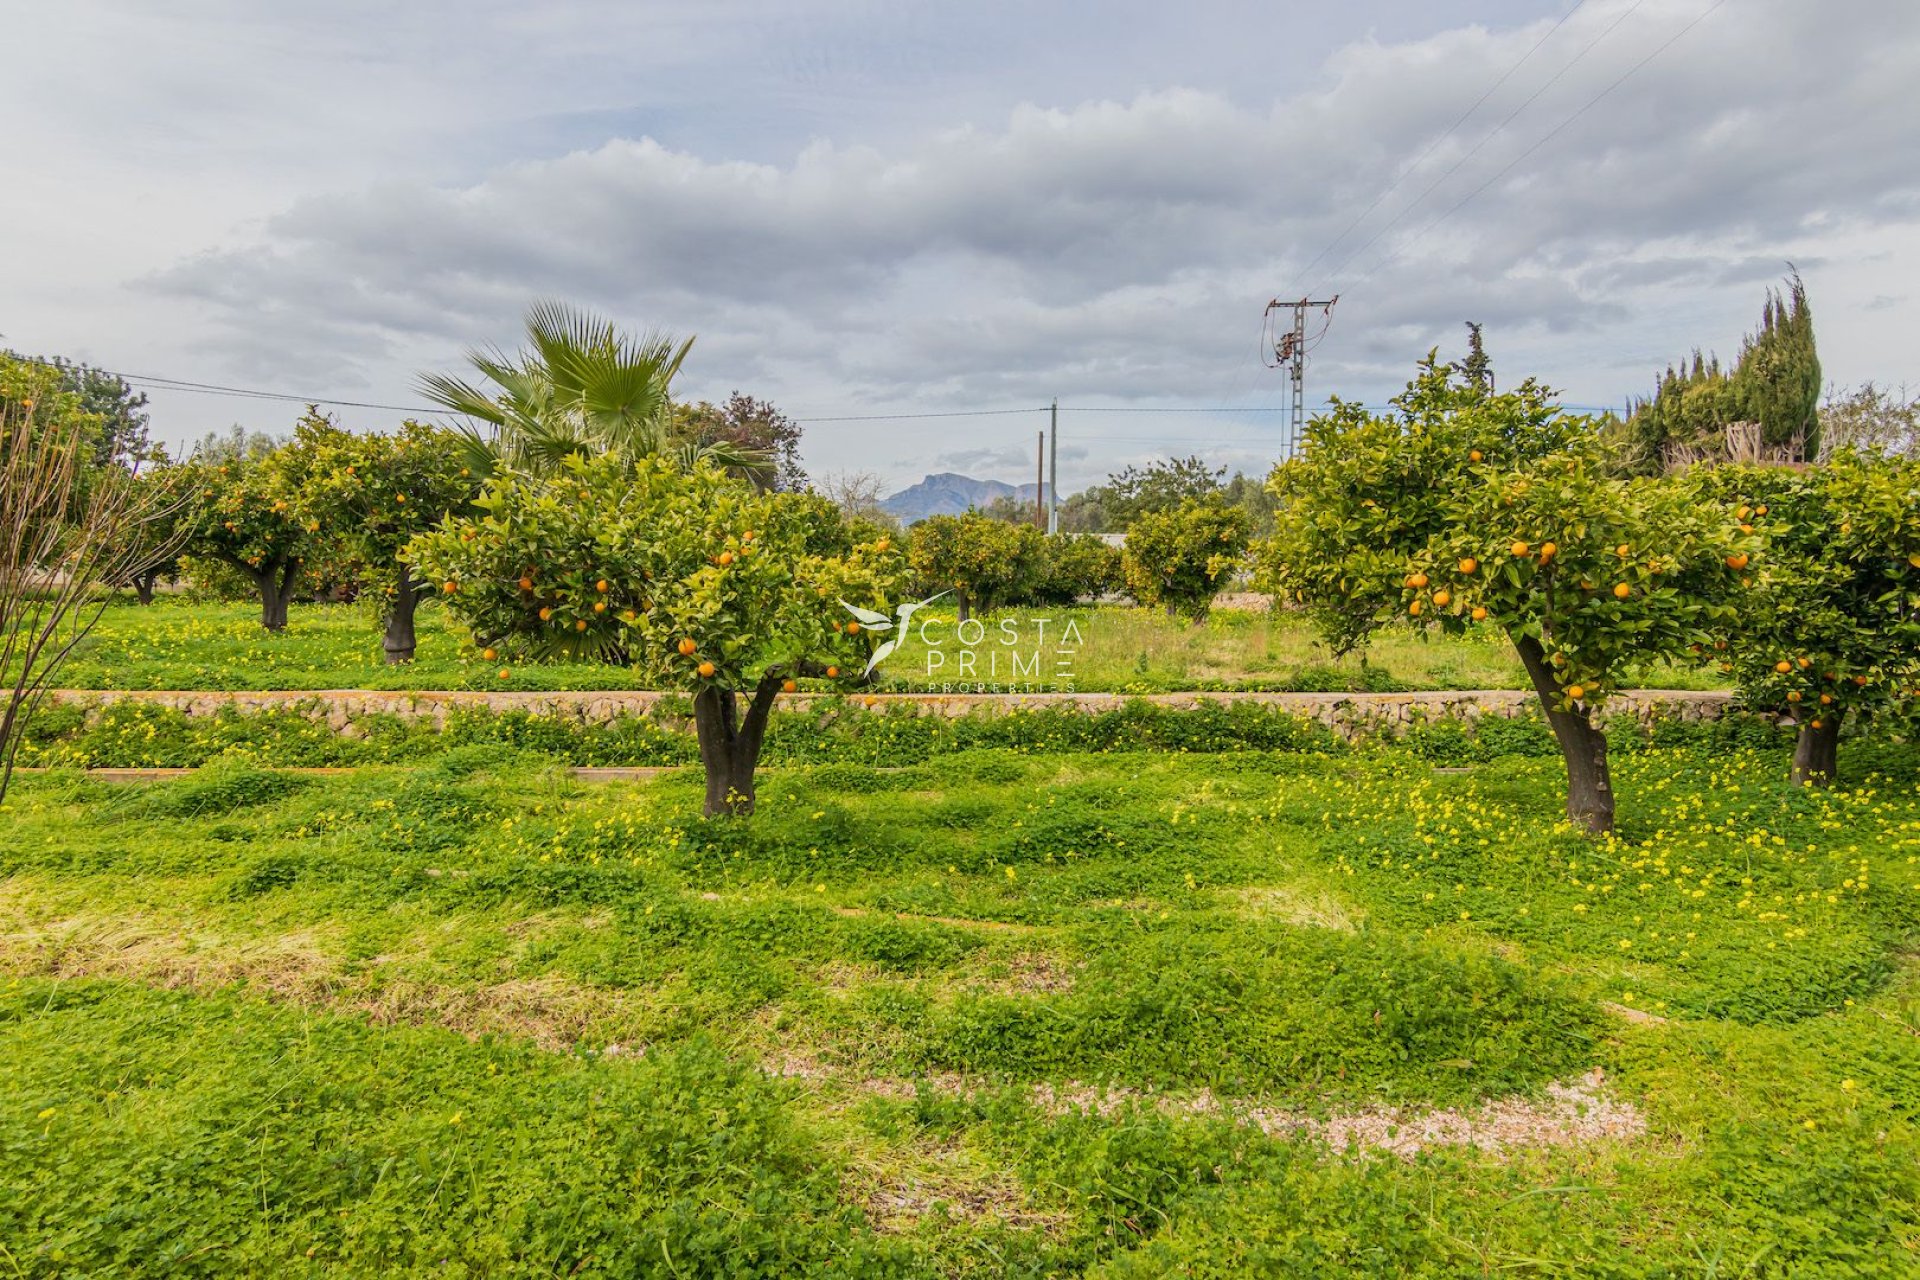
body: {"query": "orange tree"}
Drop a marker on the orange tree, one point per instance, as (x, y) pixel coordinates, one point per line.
(374, 494)
(981, 560)
(156, 556)
(1180, 558)
(1831, 628)
(1079, 565)
(1464, 507)
(243, 517)
(693, 576)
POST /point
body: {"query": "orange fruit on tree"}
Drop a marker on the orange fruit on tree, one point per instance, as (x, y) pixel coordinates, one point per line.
(1414, 608)
(852, 627)
(883, 544)
(580, 624)
(1520, 548)
(1914, 561)
(833, 673)
(1783, 666)
(490, 654)
(546, 613)
(1746, 528)
(1623, 551)
(1621, 590)
(1737, 563)
(1576, 691)
(1818, 723)
(1474, 455)
(1416, 581)
(1805, 663)
(504, 673)
(706, 670)
(788, 686)
(1441, 599)
(1826, 699)
(526, 584)
(601, 586)
(1760, 510)
(726, 558)
(599, 606)
(1548, 551)
(687, 646)
(1479, 614)
(449, 586)
(1742, 512)
(1860, 682)
(1468, 564)
(1794, 696)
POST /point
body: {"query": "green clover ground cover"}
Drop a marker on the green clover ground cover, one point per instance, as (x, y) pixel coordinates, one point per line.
(185, 644)
(476, 1018)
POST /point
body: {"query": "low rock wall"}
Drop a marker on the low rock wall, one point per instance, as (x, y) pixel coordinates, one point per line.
(1347, 714)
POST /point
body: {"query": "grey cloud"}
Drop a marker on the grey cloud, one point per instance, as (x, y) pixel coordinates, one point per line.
(1123, 249)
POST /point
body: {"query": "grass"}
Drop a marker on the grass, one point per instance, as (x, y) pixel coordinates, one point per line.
(992, 1013)
(182, 644)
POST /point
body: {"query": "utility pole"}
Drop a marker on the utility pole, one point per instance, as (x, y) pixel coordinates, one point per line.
(1053, 471)
(1290, 353)
(1040, 484)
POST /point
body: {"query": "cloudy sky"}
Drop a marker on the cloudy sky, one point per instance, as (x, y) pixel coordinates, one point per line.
(868, 208)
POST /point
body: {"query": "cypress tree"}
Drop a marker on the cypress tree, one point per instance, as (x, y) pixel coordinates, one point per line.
(1777, 381)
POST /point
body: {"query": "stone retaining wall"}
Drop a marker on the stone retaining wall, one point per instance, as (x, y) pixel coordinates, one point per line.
(1348, 714)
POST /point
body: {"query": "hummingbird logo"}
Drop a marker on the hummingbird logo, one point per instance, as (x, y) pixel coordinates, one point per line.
(881, 622)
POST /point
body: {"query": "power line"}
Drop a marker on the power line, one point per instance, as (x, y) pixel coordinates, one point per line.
(1431, 147)
(902, 417)
(215, 389)
(208, 388)
(1549, 136)
(1485, 139)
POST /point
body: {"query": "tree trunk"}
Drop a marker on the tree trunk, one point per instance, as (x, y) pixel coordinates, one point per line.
(399, 640)
(1816, 752)
(1583, 747)
(143, 584)
(276, 589)
(730, 746)
(960, 599)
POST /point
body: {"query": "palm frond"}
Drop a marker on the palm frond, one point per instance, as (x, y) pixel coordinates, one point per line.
(461, 397)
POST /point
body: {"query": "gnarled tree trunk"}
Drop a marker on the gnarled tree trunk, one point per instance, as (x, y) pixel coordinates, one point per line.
(730, 745)
(1816, 751)
(399, 640)
(276, 590)
(1582, 746)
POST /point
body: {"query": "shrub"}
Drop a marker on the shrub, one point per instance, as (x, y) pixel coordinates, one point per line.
(982, 561)
(1179, 559)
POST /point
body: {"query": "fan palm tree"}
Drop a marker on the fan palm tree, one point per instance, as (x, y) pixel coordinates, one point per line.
(580, 386)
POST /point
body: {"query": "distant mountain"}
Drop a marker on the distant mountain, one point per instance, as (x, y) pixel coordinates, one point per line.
(948, 494)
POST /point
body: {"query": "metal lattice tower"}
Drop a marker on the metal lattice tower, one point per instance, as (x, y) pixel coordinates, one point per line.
(1290, 353)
